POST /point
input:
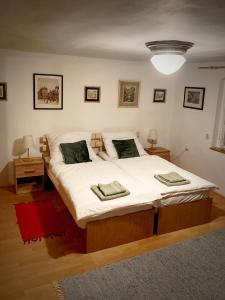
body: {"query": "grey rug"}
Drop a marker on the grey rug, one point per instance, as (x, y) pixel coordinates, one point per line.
(193, 269)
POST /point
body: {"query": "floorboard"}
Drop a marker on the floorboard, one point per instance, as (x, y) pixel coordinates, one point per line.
(27, 271)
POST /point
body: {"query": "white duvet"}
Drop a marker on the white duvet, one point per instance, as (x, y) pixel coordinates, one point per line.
(85, 206)
(136, 174)
(144, 168)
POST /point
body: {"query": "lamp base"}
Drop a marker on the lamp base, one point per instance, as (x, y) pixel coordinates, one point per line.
(152, 143)
(152, 146)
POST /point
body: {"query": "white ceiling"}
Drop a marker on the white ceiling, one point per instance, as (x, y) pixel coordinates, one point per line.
(113, 29)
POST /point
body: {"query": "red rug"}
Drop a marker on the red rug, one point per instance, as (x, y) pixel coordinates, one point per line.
(40, 219)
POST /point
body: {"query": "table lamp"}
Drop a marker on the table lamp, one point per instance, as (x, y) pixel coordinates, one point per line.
(28, 143)
(152, 137)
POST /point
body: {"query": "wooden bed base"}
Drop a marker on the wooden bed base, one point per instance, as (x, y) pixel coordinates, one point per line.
(120, 230)
(184, 215)
(114, 231)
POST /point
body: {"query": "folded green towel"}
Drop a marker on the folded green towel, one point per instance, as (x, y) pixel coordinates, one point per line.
(112, 188)
(102, 197)
(185, 181)
(172, 177)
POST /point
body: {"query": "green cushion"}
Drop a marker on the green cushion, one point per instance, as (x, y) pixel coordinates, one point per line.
(126, 148)
(74, 153)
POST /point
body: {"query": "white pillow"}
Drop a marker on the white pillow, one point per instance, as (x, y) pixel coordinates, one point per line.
(109, 136)
(55, 139)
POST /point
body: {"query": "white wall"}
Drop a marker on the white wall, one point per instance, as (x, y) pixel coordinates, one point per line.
(177, 127)
(190, 126)
(17, 116)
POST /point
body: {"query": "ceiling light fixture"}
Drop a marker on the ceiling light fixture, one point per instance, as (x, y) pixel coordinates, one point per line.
(168, 56)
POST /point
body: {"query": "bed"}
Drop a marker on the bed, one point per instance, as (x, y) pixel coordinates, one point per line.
(177, 207)
(104, 223)
(132, 218)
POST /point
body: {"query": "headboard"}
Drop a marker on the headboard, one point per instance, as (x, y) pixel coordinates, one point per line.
(96, 144)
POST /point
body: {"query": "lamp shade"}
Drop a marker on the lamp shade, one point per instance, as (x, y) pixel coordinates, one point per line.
(28, 141)
(152, 135)
(168, 63)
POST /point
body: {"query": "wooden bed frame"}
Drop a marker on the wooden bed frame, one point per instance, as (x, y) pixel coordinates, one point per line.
(110, 232)
(113, 231)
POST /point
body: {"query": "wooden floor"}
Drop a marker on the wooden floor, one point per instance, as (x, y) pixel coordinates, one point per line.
(28, 271)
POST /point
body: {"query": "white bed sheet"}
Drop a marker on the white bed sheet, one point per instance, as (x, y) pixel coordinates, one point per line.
(75, 181)
(144, 168)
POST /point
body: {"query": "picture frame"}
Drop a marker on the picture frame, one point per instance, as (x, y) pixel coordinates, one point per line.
(92, 94)
(3, 91)
(194, 97)
(159, 95)
(129, 93)
(48, 91)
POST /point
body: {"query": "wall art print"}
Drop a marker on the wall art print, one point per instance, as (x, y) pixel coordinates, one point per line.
(92, 94)
(3, 91)
(129, 93)
(48, 91)
(194, 97)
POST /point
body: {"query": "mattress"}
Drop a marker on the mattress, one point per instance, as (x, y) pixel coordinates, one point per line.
(144, 168)
(73, 183)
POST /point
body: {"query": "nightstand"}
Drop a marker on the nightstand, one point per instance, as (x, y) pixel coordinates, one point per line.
(29, 174)
(160, 151)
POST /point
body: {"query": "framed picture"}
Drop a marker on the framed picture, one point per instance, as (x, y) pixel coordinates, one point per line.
(159, 95)
(128, 93)
(92, 94)
(48, 91)
(3, 91)
(194, 97)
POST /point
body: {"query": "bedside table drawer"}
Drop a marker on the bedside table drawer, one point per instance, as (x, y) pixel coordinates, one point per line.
(29, 174)
(31, 170)
(165, 156)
